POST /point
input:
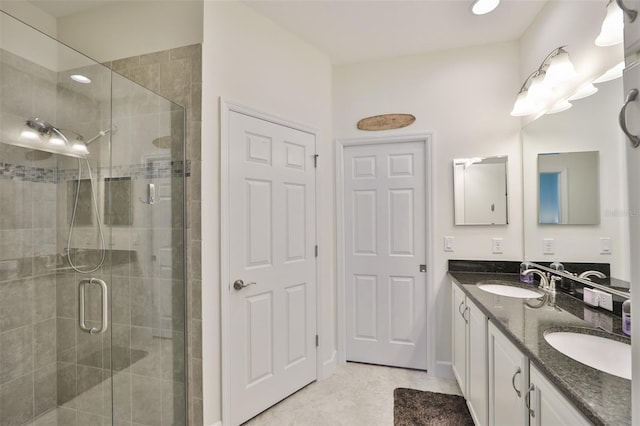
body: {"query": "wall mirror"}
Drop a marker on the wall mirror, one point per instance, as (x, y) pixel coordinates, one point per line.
(480, 191)
(568, 188)
(590, 126)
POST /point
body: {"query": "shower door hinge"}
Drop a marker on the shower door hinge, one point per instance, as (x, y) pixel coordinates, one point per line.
(316, 250)
(315, 160)
(317, 341)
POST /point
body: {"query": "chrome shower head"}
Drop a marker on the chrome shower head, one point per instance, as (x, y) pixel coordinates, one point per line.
(39, 125)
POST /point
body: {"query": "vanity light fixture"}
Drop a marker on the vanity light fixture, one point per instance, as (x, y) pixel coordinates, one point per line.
(482, 7)
(612, 29)
(546, 85)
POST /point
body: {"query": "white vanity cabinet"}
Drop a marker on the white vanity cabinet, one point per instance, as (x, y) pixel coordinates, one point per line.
(548, 406)
(508, 381)
(469, 349)
(459, 337)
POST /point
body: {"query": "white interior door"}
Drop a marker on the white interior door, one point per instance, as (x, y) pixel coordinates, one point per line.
(385, 299)
(272, 321)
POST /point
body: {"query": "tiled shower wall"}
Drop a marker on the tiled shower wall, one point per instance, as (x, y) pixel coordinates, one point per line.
(27, 251)
(176, 74)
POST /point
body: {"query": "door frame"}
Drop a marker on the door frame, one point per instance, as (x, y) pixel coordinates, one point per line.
(226, 107)
(430, 302)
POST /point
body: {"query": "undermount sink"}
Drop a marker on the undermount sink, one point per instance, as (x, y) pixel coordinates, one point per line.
(507, 290)
(601, 353)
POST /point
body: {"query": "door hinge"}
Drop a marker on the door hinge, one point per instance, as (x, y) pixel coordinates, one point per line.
(315, 160)
(316, 250)
(317, 341)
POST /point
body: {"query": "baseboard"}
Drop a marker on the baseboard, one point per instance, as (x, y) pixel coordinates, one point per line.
(328, 366)
(218, 423)
(443, 370)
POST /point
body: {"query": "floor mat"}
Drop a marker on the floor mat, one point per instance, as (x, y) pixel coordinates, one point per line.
(413, 408)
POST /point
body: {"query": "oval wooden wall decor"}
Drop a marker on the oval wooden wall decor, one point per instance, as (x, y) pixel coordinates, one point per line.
(386, 122)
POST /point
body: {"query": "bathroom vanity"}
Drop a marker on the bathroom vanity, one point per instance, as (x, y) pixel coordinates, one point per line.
(510, 374)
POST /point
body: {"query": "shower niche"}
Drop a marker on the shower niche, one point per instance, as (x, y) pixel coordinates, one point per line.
(92, 275)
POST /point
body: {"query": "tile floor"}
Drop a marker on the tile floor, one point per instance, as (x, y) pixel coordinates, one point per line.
(355, 395)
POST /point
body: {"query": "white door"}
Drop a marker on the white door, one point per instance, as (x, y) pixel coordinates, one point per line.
(385, 294)
(272, 321)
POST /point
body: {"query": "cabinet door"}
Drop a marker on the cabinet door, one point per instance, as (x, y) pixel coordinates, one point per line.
(477, 364)
(548, 406)
(631, 29)
(508, 379)
(459, 337)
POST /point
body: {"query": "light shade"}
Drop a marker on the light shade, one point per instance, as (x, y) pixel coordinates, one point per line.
(539, 90)
(524, 105)
(611, 74)
(583, 91)
(560, 69)
(559, 106)
(612, 31)
(481, 7)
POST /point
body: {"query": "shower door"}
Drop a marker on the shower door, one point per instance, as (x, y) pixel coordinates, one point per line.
(92, 285)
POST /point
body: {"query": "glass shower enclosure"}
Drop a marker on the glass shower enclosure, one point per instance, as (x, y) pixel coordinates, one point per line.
(92, 260)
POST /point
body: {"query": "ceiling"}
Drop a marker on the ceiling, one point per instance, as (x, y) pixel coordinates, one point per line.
(350, 31)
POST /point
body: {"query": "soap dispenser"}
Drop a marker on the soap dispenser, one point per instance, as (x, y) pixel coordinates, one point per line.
(626, 317)
(557, 266)
(525, 278)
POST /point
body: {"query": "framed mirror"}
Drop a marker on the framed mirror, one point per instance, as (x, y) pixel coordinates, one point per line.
(568, 188)
(480, 191)
(588, 129)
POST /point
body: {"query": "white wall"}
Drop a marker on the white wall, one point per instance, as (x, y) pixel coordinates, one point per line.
(250, 60)
(464, 96)
(31, 15)
(117, 30)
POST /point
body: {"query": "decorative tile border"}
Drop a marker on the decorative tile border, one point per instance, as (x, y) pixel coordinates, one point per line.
(154, 170)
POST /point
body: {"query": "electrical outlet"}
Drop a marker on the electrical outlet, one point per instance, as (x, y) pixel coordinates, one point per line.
(548, 246)
(606, 300)
(496, 245)
(448, 243)
(590, 297)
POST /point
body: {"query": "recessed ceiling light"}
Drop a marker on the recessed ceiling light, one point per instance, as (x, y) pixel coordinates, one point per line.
(81, 78)
(481, 7)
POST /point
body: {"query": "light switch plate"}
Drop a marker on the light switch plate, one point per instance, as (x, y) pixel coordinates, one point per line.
(605, 245)
(496, 246)
(448, 243)
(548, 246)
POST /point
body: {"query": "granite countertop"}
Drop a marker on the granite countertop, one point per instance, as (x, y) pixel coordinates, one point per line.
(602, 398)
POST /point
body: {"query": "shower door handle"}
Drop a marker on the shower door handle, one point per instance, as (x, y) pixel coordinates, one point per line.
(105, 306)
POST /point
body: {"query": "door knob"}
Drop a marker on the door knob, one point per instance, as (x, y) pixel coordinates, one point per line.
(239, 284)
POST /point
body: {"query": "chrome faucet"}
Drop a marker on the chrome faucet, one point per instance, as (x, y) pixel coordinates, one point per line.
(552, 283)
(544, 281)
(587, 274)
